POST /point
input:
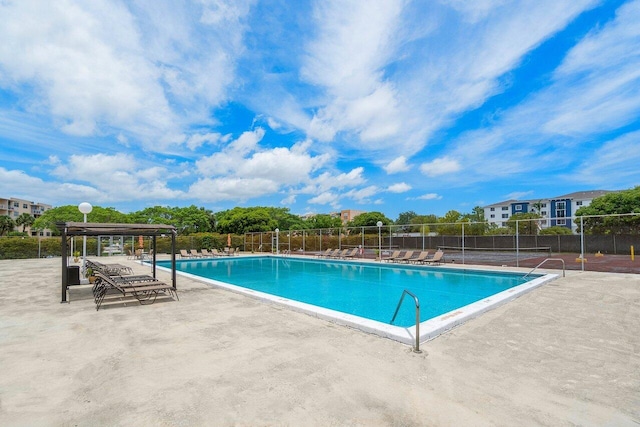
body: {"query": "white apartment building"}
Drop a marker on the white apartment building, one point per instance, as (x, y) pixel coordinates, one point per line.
(13, 208)
(555, 211)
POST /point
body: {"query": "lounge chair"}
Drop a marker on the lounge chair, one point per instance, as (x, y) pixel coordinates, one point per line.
(394, 256)
(340, 253)
(437, 257)
(194, 253)
(206, 253)
(325, 254)
(352, 254)
(184, 254)
(422, 257)
(109, 269)
(405, 258)
(145, 289)
(215, 252)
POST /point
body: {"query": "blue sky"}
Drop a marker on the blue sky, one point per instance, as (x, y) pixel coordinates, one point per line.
(317, 105)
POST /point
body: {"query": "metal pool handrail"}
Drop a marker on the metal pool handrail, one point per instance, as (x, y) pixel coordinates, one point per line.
(545, 260)
(416, 349)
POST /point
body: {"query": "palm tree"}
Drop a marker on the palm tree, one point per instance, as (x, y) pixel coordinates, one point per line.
(6, 224)
(25, 220)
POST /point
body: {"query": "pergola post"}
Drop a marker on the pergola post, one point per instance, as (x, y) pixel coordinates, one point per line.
(173, 259)
(65, 277)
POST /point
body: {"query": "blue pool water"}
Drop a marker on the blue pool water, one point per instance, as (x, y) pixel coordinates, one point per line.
(367, 290)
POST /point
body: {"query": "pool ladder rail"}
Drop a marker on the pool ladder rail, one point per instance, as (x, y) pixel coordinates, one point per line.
(416, 348)
(545, 260)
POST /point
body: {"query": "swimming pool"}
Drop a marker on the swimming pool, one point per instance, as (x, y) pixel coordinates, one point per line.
(364, 294)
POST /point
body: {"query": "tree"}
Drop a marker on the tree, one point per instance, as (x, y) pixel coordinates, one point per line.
(621, 202)
(527, 223)
(558, 229)
(70, 213)
(6, 224)
(243, 220)
(448, 223)
(323, 221)
(25, 220)
(406, 218)
(369, 219)
(479, 223)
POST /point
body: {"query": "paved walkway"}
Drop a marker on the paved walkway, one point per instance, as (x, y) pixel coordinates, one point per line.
(565, 354)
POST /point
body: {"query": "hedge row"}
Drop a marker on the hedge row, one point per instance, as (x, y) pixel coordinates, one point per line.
(31, 247)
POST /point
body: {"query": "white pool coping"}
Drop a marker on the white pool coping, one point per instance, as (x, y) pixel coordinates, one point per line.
(429, 329)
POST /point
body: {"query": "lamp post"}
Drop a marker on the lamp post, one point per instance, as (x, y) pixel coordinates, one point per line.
(379, 224)
(277, 241)
(85, 208)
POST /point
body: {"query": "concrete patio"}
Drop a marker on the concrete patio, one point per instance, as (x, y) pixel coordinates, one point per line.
(565, 354)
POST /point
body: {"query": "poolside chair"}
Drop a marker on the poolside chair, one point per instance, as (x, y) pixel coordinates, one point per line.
(144, 289)
(215, 252)
(206, 253)
(194, 253)
(407, 256)
(340, 253)
(395, 255)
(237, 252)
(109, 269)
(437, 257)
(422, 257)
(325, 254)
(352, 254)
(184, 254)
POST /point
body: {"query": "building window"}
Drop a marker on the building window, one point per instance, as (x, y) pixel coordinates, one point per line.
(560, 209)
(579, 203)
(518, 207)
(25, 206)
(493, 209)
(505, 208)
(16, 204)
(543, 213)
(505, 215)
(544, 205)
(562, 222)
(493, 216)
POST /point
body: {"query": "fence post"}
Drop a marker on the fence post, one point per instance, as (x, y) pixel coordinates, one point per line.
(517, 243)
(582, 243)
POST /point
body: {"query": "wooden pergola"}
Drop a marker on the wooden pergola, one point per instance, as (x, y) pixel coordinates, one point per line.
(93, 229)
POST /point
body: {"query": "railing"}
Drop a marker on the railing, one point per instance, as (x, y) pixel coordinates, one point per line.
(416, 349)
(545, 260)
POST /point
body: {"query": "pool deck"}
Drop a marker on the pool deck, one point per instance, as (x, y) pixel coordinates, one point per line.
(567, 353)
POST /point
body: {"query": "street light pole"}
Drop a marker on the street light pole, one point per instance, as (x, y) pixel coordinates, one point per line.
(379, 224)
(84, 208)
(277, 241)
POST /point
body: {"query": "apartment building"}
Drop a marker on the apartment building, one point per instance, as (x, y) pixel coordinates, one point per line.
(555, 211)
(347, 215)
(13, 208)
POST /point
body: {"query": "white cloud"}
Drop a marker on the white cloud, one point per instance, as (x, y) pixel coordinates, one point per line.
(518, 195)
(231, 189)
(195, 141)
(440, 166)
(362, 195)
(612, 165)
(326, 198)
(116, 177)
(145, 70)
(593, 91)
(289, 200)
(429, 196)
(401, 187)
(399, 164)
